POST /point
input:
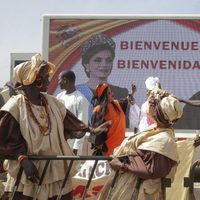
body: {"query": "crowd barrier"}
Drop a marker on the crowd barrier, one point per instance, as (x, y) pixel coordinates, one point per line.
(80, 190)
(94, 172)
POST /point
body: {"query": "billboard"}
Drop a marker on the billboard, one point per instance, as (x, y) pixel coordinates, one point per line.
(163, 46)
(17, 58)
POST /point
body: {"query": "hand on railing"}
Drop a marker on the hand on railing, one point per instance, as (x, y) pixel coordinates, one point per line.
(30, 170)
(119, 163)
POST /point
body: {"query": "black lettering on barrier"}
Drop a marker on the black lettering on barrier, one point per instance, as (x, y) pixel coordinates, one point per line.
(102, 169)
(100, 166)
(108, 169)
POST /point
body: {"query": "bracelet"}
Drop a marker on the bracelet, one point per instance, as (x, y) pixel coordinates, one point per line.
(123, 167)
(90, 129)
(21, 158)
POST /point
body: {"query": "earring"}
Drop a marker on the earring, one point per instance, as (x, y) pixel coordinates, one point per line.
(39, 85)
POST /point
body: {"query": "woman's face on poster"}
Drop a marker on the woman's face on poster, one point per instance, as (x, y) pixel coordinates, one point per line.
(100, 65)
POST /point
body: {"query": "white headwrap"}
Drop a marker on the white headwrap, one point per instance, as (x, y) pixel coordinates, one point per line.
(171, 108)
(151, 82)
(25, 73)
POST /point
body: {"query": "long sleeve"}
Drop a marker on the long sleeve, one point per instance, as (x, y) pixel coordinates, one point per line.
(11, 140)
(149, 165)
(73, 127)
(134, 116)
(124, 104)
(82, 111)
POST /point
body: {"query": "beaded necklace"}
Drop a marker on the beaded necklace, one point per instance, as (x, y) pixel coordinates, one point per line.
(47, 126)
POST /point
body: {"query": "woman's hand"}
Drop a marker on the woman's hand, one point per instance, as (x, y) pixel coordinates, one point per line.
(102, 128)
(133, 89)
(116, 164)
(30, 170)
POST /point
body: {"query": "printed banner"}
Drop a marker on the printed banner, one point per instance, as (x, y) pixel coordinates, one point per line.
(165, 48)
(99, 178)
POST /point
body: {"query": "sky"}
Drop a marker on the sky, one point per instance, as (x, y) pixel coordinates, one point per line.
(21, 20)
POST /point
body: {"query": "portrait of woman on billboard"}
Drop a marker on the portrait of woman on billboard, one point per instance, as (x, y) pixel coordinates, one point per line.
(122, 51)
(98, 53)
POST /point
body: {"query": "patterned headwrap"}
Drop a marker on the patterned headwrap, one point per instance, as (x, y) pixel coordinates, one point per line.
(25, 73)
(168, 108)
(95, 40)
(100, 89)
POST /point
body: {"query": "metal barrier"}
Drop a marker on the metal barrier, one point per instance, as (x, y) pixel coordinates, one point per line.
(194, 177)
(165, 182)
(50, 158)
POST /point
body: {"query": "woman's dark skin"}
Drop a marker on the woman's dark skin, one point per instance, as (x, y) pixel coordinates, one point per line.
(32, 92)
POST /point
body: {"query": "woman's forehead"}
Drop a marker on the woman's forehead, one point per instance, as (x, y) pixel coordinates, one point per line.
(103, 53)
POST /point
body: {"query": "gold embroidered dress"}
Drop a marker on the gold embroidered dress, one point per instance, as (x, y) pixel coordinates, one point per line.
(158, 140)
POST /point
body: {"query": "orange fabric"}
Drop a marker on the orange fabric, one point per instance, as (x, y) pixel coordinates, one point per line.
(116, 132)
(100, 89)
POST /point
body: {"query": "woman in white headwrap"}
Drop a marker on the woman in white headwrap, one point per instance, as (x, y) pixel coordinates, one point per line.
(145, 158)
(35, 123)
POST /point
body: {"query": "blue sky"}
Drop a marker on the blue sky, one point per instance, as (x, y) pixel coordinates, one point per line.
(21, 20)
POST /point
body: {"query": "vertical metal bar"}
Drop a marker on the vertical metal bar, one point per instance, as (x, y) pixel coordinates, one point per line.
(89, 181)
(19, 175)
(192, 179)
(191, 186)
(112, 185)
(136, 189)
(65, 179)
(41, 180)
(163, 187)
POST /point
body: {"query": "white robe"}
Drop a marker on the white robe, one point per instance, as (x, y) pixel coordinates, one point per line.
(38, 143)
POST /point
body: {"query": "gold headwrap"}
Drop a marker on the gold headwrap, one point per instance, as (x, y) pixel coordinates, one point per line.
(25, 73)
(169, 106)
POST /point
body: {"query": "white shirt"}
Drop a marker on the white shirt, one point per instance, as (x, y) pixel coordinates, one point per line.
(76, 103)
(145, 121)
(134, 116)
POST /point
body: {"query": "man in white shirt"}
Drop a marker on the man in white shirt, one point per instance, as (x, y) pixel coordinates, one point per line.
(75, 102)
(134, 117)
(145, 121)
(134, 112)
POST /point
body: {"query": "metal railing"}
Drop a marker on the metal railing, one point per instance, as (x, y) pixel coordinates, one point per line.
(165, 182)
(51, 158)
(194, 177)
